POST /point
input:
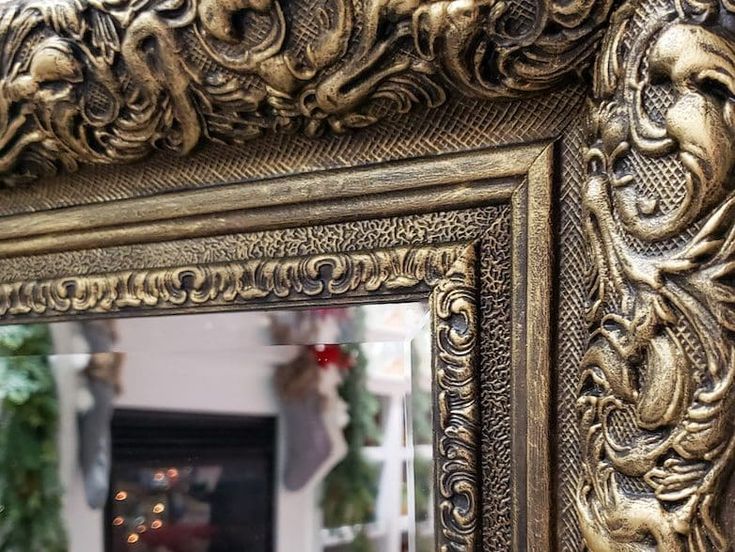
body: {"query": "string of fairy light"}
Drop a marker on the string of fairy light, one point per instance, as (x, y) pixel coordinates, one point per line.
(152, 517)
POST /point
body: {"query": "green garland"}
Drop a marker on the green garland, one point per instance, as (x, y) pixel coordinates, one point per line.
(351, 487)
(30, 492)
(423, 434)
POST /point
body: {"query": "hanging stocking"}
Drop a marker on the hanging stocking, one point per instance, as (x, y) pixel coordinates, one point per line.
(314, 440)
(102, 382)
(307, 440)
(335, 416)
(94, 443)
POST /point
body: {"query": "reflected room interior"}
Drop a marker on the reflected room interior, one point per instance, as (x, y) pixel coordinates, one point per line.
(306, 430)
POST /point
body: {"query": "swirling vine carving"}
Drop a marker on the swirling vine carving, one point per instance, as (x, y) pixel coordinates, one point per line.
(231, 283)
(109, 81)
(454, 304)
(446, 272)
(656, 396)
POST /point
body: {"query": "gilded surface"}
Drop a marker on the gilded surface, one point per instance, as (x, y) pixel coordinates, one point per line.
(490, 226)
(108, 81)
(647, 463)
(496, 389)
(656, 398)
(37, 286)
(446, 272)
(571, 338)
(456, 344)
(459, 125)
(230, 283)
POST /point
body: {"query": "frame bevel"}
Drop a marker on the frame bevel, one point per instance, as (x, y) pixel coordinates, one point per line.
(339, 195)
(445, 274)
(516, 176)
(657, 198)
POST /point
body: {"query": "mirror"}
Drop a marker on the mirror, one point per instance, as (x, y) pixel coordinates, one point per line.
(301, 430)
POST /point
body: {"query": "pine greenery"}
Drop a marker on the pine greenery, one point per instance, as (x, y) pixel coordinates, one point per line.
(30, 492)
(351, 487)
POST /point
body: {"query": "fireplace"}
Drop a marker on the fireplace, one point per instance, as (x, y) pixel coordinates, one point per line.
(191, 482)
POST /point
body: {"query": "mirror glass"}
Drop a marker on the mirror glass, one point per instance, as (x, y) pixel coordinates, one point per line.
(300, 430)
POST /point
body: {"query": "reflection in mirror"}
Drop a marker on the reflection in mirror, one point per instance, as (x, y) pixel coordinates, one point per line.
(283, 431)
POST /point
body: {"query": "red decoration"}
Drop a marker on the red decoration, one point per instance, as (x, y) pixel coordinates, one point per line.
(339, 314)
(328, 355)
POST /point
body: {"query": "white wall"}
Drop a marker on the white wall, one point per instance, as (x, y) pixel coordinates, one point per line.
(214, 364)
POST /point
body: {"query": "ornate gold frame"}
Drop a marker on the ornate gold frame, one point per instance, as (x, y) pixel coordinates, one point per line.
(444, 271)
(642, 387)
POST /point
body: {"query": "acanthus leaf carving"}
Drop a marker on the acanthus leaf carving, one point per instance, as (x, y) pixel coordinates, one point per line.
(656, 397)
(109, 81)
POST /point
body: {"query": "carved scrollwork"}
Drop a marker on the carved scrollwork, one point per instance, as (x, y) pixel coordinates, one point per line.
(108, 81)
(232, 283)
(447, 273)
(656, 396)
(456, 346)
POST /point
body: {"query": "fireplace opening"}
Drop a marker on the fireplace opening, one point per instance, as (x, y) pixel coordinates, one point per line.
(191, 482)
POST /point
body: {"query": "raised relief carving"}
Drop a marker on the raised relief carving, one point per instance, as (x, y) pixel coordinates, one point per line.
(447, 273)
(656, 397)
(108, 81)
(233, 283)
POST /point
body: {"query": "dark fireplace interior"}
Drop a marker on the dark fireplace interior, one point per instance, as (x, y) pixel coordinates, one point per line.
(191, 482)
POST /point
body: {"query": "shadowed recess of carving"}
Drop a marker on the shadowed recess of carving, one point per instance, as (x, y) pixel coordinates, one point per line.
(655, 396)
(109, 81)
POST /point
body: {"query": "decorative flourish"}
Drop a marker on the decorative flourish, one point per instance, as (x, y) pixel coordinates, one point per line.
(231, 283)
(454, 304)
(446, 272)
(656, 395)
(108, 81)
